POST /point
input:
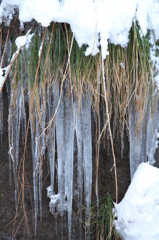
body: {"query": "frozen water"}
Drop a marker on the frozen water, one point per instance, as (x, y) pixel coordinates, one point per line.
(143, 139)
(87, 156)
(71, 117)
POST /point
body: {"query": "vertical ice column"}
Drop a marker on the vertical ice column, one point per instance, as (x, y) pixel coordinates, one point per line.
(51, 140)
(87, 157)
(65, 129)
(78, 127)
(69, 156)
(64, 119)
(135, 142)
(152, 131)
(14, 120)
(84, 148)
(37, 123)
(35, 159)
(60, 134)
(143, 141)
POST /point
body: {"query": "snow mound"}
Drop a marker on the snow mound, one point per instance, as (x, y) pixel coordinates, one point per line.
(138, 212)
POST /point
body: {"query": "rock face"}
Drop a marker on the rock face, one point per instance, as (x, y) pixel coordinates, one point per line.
(19, 225)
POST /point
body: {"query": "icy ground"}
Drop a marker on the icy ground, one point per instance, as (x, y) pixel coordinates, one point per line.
(138, 212)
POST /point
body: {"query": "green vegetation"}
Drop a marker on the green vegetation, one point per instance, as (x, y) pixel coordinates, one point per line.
(103, 219)
(128, 71)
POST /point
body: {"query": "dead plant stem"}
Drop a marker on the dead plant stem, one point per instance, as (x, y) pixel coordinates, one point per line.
(111, 139)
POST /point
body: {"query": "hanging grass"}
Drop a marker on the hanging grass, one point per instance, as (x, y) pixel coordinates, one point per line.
(128, 71)
(56, 57)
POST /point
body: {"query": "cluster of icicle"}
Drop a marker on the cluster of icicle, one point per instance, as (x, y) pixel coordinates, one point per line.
(144, 141)
(71, 123)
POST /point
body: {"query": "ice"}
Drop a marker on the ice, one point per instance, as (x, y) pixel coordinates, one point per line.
(15, 119)
(80, 170)
(143, 139)
(60, 137)
(87, 157)
(98, 151)
(69, 156)
(37, 123)
(70, 117)
(51, 139)
(65, 154)
(152, 130)
(36, 161)
(84, 148)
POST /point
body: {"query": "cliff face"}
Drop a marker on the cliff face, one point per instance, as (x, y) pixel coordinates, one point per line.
(18, 224)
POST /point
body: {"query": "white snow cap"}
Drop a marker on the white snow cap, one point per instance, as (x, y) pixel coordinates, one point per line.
(92, 21)
(138, 212)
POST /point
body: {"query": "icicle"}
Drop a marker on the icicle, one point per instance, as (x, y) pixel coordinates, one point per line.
(51, 142)
(60, 133)
(10, 167)
(58, 204)
(59, 40)
(35, 172)
(51, 152)
(122, 143)
(135, 142)
(40, 190)
(98, 165)
(79, 162)
(108, 142)
(15, 120)
(152, 130)
(87, 158)
(144, 142)
(69, 156)
(62, 201)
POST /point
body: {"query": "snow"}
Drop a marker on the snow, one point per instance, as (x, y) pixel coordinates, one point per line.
(138, 212)
(3, 72)
(24, 40)
(93, 22)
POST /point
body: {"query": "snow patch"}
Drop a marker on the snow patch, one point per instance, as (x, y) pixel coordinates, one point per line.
(138, 212)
